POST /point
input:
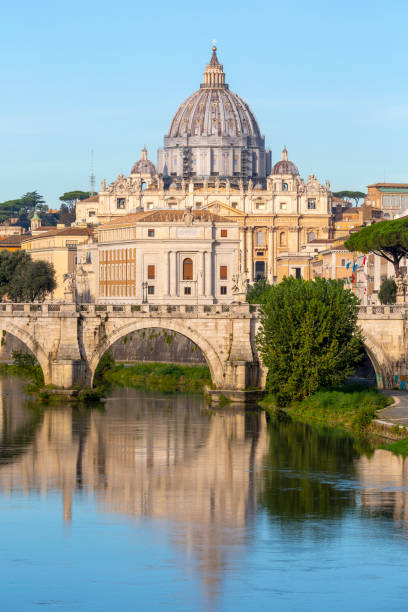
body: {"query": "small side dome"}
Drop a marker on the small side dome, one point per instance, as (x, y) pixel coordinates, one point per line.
(144, 165)
(173, 187)
(284, 166)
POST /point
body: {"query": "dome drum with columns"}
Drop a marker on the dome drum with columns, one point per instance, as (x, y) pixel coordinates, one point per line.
(214, 133)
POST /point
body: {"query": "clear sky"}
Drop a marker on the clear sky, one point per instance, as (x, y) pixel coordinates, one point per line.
(328, 79)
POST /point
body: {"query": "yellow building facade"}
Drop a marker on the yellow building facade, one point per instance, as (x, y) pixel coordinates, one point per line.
(59, 248)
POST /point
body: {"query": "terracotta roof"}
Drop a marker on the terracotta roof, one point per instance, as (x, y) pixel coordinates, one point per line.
(68, 231)
(166, 216)
(94, 198)
(321, 241)
(402, 185)
(14, 240)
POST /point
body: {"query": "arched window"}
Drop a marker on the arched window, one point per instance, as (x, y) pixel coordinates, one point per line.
(187, 269)
(285, 187)
(282, 239)
(310, 236)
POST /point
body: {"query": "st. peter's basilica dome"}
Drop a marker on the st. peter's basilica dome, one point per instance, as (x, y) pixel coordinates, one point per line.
(214, 133)
(214, 110)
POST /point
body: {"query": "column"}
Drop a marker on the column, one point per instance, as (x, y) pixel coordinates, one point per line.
(208, 274)
(201, 274)
(167, 273)
(250, 254)
(242, 250)
(270, 255)
(172, 273)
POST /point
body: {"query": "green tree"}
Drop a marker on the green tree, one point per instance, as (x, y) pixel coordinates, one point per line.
(256, 293)
(23, 208)
(388, 239)
(25, 280)
(388, 291)
(350, 195)
(68, 199)
(308, 337)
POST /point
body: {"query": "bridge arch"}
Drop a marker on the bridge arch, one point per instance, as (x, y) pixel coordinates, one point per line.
(381, 364)
(32, 344)
(214, 363)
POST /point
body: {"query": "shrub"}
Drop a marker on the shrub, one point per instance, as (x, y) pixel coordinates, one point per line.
(388, 291)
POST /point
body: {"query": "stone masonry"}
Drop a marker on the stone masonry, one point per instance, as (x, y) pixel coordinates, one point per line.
(69, 340)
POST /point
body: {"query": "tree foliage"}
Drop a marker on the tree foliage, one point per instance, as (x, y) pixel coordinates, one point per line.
(309, 336)
(25, 280)
(256, 293)
(23, 208)
(388, 239)
(70, 197)
(388, 291)
(356, 196)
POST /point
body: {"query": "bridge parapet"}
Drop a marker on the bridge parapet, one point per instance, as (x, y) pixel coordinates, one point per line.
(395, 311)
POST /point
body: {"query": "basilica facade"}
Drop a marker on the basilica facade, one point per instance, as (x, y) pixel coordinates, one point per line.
(214, 158)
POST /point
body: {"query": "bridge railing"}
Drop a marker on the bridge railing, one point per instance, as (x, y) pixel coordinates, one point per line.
(134, 310)
(386, 310)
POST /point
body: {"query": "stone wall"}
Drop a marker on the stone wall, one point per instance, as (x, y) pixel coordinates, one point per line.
(156, 345)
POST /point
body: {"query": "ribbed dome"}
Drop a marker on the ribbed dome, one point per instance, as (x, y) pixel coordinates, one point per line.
(144, 165)
(214, 110)
(284, 166)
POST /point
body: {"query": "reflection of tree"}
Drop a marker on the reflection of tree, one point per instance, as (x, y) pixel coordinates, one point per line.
(19, 421)
(303, 472)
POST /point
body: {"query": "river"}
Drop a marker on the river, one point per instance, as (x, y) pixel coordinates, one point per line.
(154, 502)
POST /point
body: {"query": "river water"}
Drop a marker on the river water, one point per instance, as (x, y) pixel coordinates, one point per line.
(156, 503)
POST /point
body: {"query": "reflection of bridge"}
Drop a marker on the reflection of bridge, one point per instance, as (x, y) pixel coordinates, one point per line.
(69, 340)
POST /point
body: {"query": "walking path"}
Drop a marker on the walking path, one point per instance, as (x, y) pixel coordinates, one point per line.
(397, 414)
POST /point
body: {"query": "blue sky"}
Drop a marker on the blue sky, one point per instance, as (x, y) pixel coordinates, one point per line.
(327, 79)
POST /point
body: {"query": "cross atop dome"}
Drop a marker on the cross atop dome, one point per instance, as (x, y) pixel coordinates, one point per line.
(214, 76)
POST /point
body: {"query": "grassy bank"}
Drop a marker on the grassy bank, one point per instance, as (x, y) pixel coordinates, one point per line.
(352, 407)
(25, 367)
(163, 377)
(399, 447)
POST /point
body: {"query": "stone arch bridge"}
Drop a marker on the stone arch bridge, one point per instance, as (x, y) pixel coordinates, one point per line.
(68, 339)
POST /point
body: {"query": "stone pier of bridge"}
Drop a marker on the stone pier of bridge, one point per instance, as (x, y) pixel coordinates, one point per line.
(68, 340)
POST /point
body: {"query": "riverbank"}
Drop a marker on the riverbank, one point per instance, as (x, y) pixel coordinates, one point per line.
(163, 377)
(351, 408)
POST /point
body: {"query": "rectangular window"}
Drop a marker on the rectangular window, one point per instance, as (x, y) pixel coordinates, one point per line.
(150, 290)
(224, 233)
(223, 272)
(120, 203)
(343, 263)
(223, 290)
(311, 204)
(91, 213)
(259, 238)
(150, 233)
(151, 272)
(187, 290)
(283, 205)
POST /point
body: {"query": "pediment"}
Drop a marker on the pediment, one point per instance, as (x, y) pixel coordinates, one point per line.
(220, 208)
